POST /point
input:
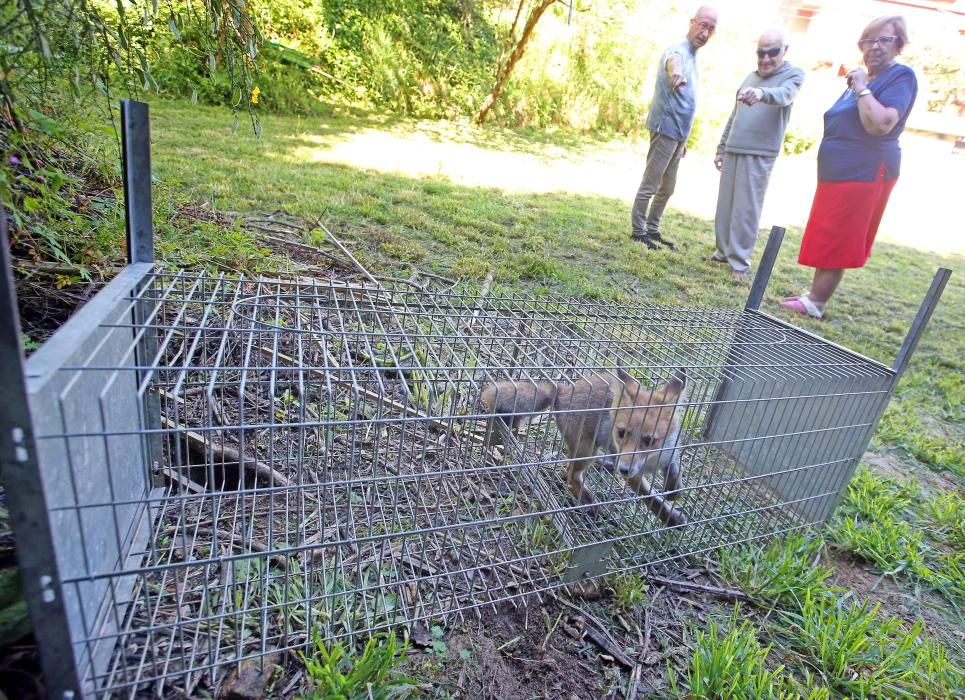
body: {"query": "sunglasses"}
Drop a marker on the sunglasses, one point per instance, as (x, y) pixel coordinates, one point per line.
(883, 40)
(770, 53)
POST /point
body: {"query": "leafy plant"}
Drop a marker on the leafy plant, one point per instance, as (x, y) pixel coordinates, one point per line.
(61, 202)
(335, 675)
(947, 575)
(902, 426)
(894, 545)
(55, 45)
(868, 523)
(28, 344)
(629, 590)
(873, 496)
(438, 645)
(946, 514)
(796, 142)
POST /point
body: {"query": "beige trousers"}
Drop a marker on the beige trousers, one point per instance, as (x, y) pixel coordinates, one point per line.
(659, 180)
(743, 184)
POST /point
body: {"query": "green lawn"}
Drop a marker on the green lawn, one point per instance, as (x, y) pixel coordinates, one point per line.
(565, 244)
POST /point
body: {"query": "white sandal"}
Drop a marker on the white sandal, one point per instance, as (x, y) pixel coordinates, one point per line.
(803, 305)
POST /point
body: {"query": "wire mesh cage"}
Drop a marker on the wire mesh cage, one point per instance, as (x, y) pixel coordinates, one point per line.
(209, 469)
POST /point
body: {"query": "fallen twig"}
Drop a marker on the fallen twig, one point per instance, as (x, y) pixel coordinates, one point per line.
(645, 646)
(186, 483)
(726, 593)
(596, 631)
(315, 249)
(382, 399)
(52, 268)
(600, 638)
(237, 540)
(552, 629)
(634, 682)
(348, 254)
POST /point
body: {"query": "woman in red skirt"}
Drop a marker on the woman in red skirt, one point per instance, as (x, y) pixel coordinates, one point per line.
(858, 163)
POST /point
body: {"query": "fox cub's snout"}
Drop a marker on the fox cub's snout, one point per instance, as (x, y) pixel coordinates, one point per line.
(613, 413)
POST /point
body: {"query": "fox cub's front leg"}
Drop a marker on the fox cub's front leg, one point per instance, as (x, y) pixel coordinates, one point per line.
(578, 451)
(575, 472)
(658, 504)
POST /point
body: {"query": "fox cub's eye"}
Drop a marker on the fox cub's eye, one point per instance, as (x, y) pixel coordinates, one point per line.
(647, 441)
(621, 433)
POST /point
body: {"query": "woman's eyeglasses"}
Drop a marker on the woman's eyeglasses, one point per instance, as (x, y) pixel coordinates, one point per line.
(770, 53)
(882, 40)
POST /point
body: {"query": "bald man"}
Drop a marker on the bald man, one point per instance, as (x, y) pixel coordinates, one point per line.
(752, 139)
(670, 120)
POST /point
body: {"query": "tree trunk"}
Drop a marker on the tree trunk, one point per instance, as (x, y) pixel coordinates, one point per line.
(504, 71)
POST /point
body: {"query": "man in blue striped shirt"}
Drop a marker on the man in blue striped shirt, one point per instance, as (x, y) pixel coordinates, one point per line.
(670, 120)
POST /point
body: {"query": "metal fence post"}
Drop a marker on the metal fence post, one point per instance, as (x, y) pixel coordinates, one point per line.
(136, 160)
(26, 499)
(764, 267)
(917, 329)
(139, 208)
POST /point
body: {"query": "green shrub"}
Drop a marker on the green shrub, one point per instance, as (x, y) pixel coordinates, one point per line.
(857, 652)
(797, 142)
(62, 203)
(869, 523)
(423, 57)
(946, 514)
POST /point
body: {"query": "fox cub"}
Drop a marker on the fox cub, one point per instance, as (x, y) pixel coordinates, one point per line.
(613, 413)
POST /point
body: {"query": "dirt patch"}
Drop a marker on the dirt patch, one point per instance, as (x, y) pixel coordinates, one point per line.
(905, 601)
(569, 647)
(891, 465)
(526, 652)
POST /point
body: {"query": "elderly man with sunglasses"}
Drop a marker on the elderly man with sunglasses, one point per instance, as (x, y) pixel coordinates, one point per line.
(752, 139)
(670, 119)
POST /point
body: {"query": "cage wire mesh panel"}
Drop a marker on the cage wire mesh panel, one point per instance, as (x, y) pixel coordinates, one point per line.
(322, 461)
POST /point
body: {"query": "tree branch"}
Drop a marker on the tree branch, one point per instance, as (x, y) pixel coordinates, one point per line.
(503, 72)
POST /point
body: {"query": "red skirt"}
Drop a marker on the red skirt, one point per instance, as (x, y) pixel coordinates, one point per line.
(843, 222)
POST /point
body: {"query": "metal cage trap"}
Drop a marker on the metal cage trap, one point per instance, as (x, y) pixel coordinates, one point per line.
(204, 469)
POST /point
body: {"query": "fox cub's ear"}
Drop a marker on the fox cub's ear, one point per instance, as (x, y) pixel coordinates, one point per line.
(674, 389)
(629, 383)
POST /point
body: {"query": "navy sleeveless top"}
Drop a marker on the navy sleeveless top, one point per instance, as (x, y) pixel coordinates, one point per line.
(848, 153)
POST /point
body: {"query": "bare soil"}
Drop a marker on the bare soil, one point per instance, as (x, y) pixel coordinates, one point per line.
(570, 645)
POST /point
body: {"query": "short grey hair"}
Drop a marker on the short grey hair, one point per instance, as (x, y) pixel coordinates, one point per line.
(897, 21)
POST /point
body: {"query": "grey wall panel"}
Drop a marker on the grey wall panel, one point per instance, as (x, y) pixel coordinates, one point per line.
(788, 413)
(91, 452)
